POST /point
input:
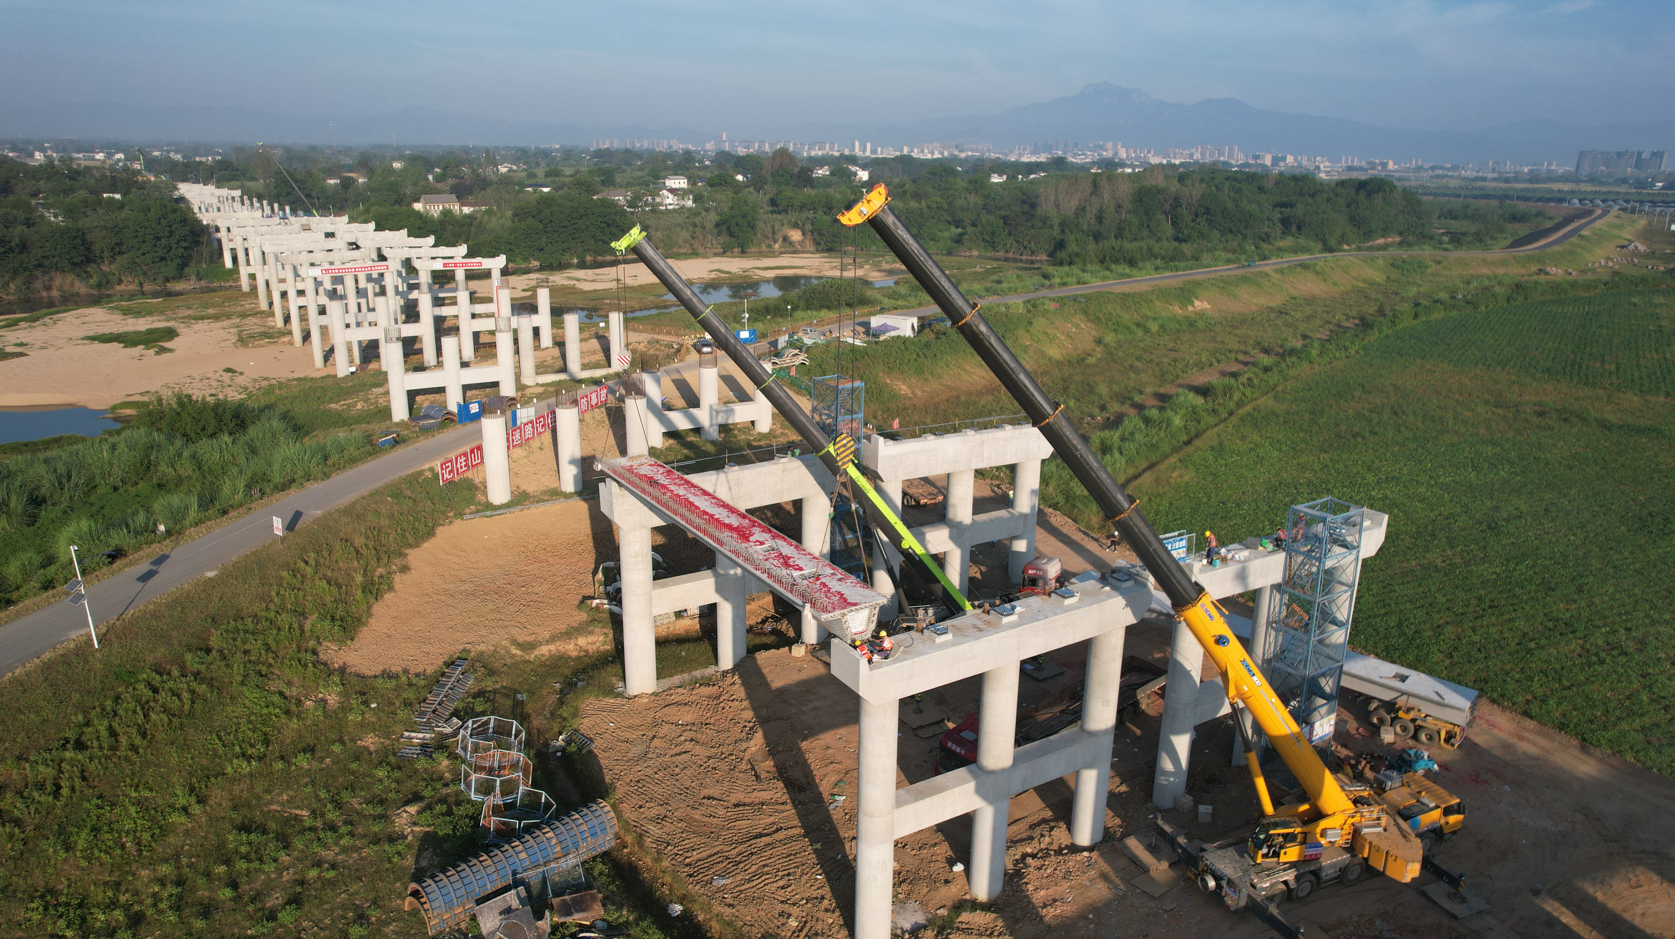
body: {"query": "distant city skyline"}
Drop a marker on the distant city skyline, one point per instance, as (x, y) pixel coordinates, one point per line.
(760, 71)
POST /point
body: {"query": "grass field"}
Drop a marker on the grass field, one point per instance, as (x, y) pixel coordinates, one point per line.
(1524, 453)
(204, 773)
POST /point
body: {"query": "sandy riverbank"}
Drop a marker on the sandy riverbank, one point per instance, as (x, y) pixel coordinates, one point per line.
(61, 368)
(699, 270)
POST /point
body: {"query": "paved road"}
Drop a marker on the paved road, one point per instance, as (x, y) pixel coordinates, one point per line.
(29, 636)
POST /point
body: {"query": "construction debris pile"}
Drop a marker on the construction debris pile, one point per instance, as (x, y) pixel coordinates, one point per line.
(433, 715)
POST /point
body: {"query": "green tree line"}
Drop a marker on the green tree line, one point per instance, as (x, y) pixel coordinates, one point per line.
(99, 227)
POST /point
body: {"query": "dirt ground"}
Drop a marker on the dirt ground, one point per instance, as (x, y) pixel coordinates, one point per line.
(696, 270)
(61, 368)
(745, 787)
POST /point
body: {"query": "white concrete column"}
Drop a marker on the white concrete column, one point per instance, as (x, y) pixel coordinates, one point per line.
(503, 355)
(276, 292)
(730, 619)
(1174, 739)
(453, 387)
(395, 369)
(875, 834)
(573, 344)
(497, 462)
(765, 411)
(296, 301)
(618, 339)
(709, 392)
(526, 350)
(956, 562)
(243, 267)
(340, 339)
(635, 420)
(816, 512)
(544, 315)
(226, 247)
(394, 297)
(315, 347)
(881, 580)
(427, 319)
(261, 270)
(1026, 497)
(567, 439)
(809, 629)
(639, 639)
(1102, 685)
(467, 330)
(996, 730)
(651, 382)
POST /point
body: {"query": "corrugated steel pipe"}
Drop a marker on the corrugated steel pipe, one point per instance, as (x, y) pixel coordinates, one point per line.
(448, 897)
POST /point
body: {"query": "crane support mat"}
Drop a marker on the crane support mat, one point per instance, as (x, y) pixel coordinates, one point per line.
(841, 603)
(1458, 903)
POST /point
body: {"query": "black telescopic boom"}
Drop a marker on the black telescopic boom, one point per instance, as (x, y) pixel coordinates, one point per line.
(754, 371)
(1045, 413)
(763, 380)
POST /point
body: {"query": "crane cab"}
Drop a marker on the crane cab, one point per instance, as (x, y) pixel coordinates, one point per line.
(1042, 576)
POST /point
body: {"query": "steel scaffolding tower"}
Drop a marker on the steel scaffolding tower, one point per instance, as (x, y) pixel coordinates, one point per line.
(1308, 628)
(840, 405)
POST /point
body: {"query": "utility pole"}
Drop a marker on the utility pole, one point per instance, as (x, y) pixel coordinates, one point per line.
(80, 589)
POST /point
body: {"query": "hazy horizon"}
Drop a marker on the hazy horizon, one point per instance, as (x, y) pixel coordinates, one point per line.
(756, 71)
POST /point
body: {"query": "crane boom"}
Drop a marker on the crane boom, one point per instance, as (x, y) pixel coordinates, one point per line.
(1331, 814)
(838, 456)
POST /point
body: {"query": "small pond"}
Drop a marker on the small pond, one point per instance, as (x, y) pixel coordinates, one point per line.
(34, 423)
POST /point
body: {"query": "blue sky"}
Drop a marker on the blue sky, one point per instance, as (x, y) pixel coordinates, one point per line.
(750, 67)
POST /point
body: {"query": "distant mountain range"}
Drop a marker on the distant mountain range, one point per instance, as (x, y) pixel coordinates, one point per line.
(1098, 112)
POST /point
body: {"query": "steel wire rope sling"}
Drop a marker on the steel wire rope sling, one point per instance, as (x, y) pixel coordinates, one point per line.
(839, 455)
(627, 381)
(1192, 603)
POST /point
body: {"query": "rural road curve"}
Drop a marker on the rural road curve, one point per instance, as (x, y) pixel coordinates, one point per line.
(28, 637)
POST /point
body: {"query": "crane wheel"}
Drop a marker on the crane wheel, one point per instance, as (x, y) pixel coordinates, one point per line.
(1404, 728)
(1303, 887)
(1427, 736)
(1379, 716)
(1427, 841)
(1352, 873)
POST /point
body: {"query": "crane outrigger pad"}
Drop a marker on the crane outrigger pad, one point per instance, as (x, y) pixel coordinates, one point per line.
(842, 604)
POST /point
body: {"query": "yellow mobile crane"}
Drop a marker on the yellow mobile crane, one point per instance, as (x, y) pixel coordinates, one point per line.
(1292, 841)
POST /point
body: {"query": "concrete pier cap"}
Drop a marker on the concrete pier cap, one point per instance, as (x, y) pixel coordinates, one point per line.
(991, 644)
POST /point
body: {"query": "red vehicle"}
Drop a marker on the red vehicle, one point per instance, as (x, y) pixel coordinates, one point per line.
(1042, 576)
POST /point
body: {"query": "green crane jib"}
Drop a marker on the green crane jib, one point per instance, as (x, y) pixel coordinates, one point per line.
(839, 455)
(1331, 816)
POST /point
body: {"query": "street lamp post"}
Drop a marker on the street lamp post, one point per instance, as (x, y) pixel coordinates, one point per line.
(86, 608)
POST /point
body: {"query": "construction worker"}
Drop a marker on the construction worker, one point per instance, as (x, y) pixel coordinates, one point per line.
(1212, 550)
(882, 647)
(1279, 538)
